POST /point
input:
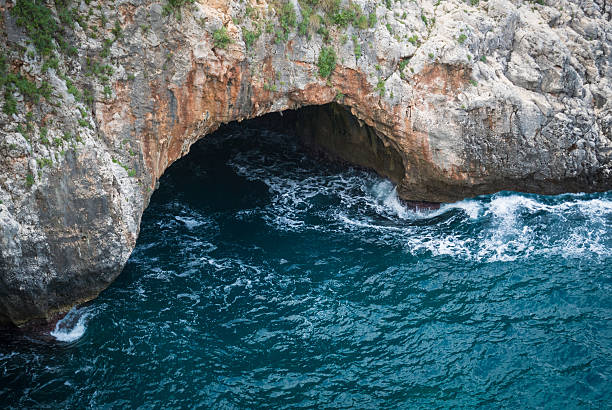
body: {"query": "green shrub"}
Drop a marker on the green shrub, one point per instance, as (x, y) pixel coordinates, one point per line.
(29, 180)
(10, 103)
(3, 69)
(303, 25)
(326, 62)
(372, 20)
(73, 90)
(27, 88)
(361, 22)
(43, 135)
(287, 17)
(344, 17)
(250, 37)
(324, 33)
(52, 62)
(461, 39)
(38, 23)
(44, 162)
(221, 39)
(380, 87)
(116, 30)
(356, 47)
(174, 7)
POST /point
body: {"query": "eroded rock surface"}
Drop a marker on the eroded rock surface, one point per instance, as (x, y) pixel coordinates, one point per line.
(469, 98)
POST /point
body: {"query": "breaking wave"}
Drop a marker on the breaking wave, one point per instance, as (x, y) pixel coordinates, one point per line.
(500, 227)
(72, 326)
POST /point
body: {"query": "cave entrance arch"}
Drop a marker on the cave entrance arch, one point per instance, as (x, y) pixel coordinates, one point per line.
(328, 132)
(333, 131)
(214, 195)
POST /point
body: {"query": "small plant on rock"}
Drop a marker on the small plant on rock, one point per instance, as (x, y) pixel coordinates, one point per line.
(221, 39)
(326, 62)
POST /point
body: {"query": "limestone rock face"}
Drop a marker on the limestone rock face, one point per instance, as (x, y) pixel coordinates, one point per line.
(465, 98)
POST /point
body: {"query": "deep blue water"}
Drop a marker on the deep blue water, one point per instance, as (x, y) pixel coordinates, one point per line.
(264, 277)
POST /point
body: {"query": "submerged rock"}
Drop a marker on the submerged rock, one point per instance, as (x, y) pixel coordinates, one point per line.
(447, 99)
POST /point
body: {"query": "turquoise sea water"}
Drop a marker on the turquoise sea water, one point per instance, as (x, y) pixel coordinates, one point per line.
(265, 277)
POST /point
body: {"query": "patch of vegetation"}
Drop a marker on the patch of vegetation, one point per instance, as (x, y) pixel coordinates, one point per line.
(380, 87)
(221, 39)
(352, 14)
(270, 87)
(44, 162)
(372, 20)
(288, 20)
(29, 181)
(73, 90)
(319, 15)
(174, 7)
(130, 172)
(116, 30)
(52, 62)
(19, 83)
(307, 16)
(39, 24)
(326, 62)
(250, 37)
(43, 135)
(461, 39)
(356, 47)
(361, 22)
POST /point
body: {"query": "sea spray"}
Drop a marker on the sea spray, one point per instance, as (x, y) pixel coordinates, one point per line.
(72, 326)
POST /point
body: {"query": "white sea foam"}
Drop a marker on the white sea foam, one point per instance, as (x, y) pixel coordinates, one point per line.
(508, 229)
(473, 209)
(505, 227)
(189, 222)
(72, 326)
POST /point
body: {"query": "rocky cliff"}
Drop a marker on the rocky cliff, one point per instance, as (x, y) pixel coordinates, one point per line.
(456, 98)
